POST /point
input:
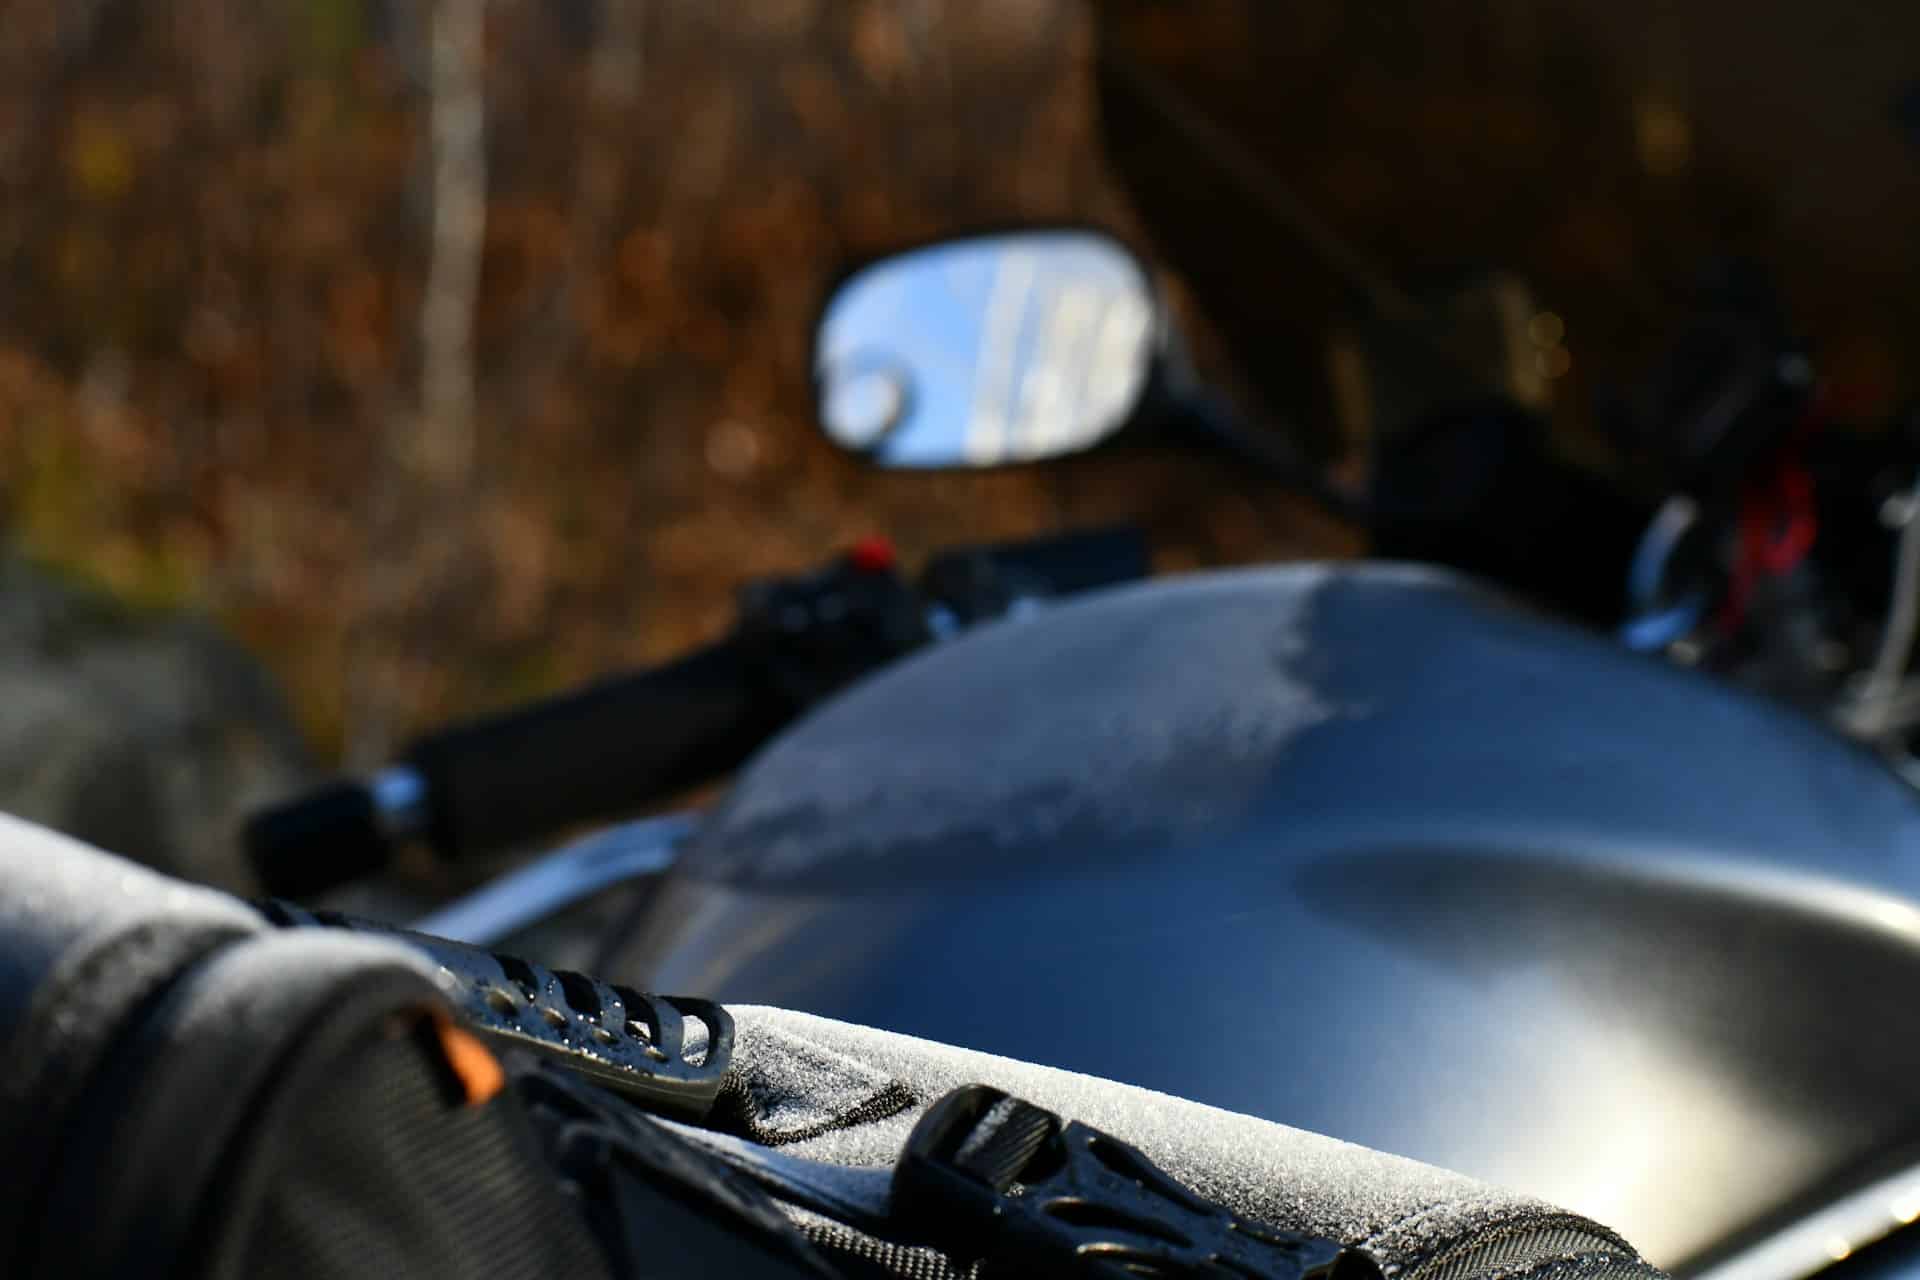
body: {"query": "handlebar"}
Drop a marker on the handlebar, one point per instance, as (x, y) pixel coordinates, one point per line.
(614, 746)
(591, 754)
(498, 781)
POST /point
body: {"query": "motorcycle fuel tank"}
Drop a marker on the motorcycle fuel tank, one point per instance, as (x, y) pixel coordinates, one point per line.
(1365, 850)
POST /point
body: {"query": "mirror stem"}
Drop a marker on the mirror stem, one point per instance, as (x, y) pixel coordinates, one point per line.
(1213, 419)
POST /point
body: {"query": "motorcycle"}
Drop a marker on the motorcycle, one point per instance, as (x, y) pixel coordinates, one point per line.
(1739, 524)
(1372, 849)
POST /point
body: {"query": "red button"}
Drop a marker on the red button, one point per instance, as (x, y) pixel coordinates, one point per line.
(872, 555)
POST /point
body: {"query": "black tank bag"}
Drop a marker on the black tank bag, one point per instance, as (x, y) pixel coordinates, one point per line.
(197, 1087)
(195, 1091)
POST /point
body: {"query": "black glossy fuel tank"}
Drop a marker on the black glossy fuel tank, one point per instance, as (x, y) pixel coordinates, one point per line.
(1368, 851)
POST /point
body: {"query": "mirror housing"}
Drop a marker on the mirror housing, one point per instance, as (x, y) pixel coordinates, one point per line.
(989, 349)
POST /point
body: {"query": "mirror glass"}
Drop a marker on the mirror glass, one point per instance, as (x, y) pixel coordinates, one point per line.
(989, 350)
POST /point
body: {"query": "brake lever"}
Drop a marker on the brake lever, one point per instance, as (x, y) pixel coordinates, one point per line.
(553, 882)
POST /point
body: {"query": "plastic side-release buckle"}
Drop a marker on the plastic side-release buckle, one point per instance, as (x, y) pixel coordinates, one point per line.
(987, 1176)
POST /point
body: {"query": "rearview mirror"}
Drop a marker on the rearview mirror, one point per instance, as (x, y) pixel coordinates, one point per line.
(993, 349)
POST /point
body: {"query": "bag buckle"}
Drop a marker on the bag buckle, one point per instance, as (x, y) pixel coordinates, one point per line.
(987, 1176)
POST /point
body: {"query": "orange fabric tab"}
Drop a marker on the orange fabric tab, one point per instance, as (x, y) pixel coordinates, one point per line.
(477, 1069)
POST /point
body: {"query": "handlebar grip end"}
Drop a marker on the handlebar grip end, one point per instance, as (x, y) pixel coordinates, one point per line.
(325, 839)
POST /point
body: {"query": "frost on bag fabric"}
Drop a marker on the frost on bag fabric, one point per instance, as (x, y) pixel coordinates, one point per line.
(1413, 1220)
(806, 1090)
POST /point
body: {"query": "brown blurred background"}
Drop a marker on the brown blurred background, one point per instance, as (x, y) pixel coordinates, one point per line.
(432, 423)
(217, 236)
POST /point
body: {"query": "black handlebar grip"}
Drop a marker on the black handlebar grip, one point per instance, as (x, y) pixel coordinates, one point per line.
(596, 753)
(324, 839)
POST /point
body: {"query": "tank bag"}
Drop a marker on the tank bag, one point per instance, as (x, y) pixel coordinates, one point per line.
(200, 1087)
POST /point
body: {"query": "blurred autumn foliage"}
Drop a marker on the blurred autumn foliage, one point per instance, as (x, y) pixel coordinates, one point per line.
(449, 351)
(217, 226)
